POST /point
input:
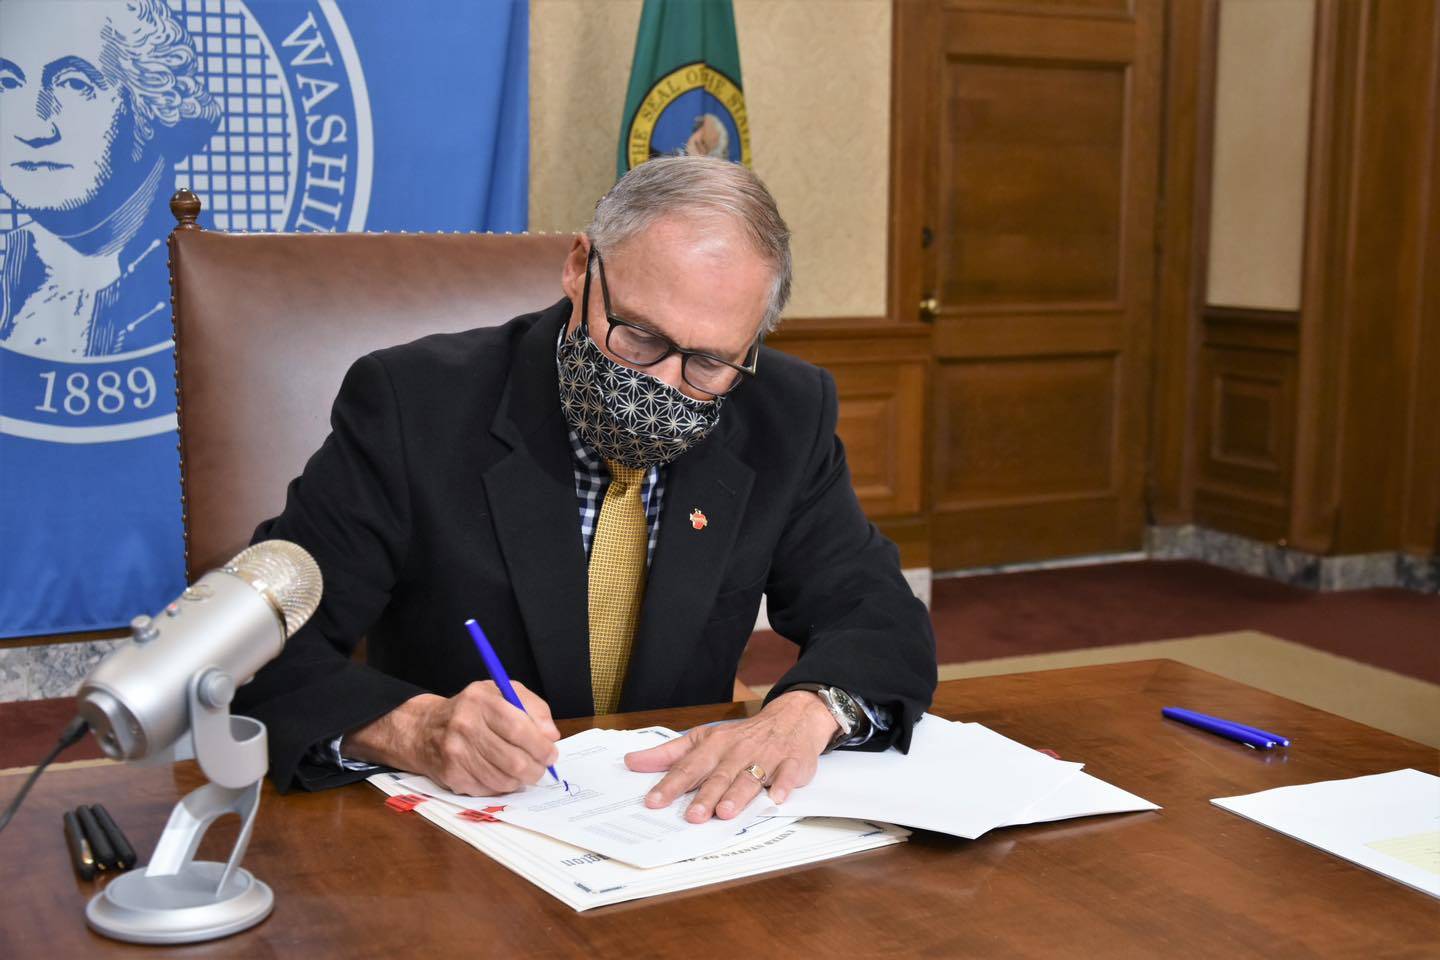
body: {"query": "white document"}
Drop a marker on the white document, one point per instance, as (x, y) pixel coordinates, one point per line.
(601, 805)
(1388, 822)
(1081, 796)
(958, 778)
(584, 879)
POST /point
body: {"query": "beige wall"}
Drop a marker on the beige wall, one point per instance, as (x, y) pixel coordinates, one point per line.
(1262, 134)
(817, 89)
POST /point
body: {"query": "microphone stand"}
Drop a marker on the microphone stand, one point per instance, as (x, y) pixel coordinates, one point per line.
(175, 898)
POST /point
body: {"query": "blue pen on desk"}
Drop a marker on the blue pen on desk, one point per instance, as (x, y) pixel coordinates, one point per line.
(1239, 732)
(1278, 740)
(501, 678)
(1266, 734)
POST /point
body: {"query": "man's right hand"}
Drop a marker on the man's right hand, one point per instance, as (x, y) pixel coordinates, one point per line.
(474, 743)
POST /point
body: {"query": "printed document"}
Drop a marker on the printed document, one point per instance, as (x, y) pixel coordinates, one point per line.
(1388, 822)
(601, 804)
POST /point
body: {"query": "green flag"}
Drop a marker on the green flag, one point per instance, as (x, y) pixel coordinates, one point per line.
(685, 93)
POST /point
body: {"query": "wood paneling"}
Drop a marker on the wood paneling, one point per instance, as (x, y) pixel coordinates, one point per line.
(1367, 322)
(1038, 163)
(1033, 154)
(1024, 430)
(1245, 421)
(1315, 428)
(1421, 532)
(880, 372)
(1067, 8)
(882, 416)
(912, 535)
(1383, 302)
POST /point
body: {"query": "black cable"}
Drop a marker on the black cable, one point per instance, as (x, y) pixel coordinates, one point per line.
(69, 738)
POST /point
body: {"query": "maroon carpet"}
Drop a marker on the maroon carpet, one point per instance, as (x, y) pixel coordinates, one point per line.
(1044, 611)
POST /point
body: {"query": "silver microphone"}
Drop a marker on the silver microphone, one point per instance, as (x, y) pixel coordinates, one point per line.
(220, 631)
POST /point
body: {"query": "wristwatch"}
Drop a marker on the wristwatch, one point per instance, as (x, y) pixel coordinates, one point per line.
(847, 713)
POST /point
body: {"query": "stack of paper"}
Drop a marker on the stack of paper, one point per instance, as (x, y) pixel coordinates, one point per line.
(962, 779)
(1388, 822)
(591, 840)
(584, 879)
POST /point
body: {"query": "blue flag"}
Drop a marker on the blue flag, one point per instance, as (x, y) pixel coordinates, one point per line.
(282, 115)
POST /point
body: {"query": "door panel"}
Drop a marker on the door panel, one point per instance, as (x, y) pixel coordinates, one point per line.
(1013, 418)
(1033, 155)
(1035, 246)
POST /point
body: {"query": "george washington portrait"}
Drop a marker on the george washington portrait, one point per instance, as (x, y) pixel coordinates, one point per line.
(99, 99)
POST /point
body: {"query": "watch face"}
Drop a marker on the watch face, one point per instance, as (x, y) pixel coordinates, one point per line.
(847, 705)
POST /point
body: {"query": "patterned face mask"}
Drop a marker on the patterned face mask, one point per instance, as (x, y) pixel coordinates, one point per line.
(627, 415)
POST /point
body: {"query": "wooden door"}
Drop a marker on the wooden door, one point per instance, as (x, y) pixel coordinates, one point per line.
(1026, 155)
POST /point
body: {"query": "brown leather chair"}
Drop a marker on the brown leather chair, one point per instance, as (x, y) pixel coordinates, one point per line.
(267, 324)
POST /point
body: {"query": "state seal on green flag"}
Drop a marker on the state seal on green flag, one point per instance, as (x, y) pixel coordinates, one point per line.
(685, 94)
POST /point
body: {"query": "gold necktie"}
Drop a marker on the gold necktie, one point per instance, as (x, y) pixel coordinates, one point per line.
(617, 583)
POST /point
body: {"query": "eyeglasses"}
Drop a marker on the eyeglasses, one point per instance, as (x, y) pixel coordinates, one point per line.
(641, 347)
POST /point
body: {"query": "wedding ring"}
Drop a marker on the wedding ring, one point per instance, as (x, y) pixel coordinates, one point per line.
(757, 772)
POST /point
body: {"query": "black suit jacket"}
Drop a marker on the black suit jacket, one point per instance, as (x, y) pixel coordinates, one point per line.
(445, 491)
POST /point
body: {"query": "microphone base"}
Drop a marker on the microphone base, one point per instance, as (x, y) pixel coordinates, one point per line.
(184, 907)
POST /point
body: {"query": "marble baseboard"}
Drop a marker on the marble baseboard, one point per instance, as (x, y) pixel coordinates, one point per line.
(51, 670)
(1060, 563)
(1295, 567)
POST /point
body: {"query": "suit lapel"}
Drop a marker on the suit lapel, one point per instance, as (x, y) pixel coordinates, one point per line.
(686, 570)
(532, 501)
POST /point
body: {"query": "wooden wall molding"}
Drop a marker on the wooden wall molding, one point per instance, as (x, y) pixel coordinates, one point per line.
(54, 638)
(1420, 529)
(1327, 244)
(1090, 10)
(1367, 319)
(1188, 121)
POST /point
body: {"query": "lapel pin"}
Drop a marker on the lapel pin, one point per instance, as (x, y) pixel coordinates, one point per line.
(697, 519)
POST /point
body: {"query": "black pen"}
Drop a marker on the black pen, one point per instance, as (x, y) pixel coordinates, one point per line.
(80, 856)
(99, 843)
(124, 853)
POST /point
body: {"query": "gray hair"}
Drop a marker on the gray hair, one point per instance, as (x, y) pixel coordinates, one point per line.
(685, 185)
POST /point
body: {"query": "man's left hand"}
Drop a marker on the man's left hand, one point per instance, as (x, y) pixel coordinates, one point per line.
(784, 740)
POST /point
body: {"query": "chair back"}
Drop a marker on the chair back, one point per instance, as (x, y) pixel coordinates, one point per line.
(267, 324)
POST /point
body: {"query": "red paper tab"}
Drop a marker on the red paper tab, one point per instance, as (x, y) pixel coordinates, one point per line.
(480, 816)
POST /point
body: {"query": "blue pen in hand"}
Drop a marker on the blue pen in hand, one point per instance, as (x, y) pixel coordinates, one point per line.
(501, 678)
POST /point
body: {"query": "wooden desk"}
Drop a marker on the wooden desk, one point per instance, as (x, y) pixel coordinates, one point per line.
(354, 879)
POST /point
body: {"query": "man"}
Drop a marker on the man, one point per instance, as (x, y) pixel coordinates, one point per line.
(97, 103)
(608, 486)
